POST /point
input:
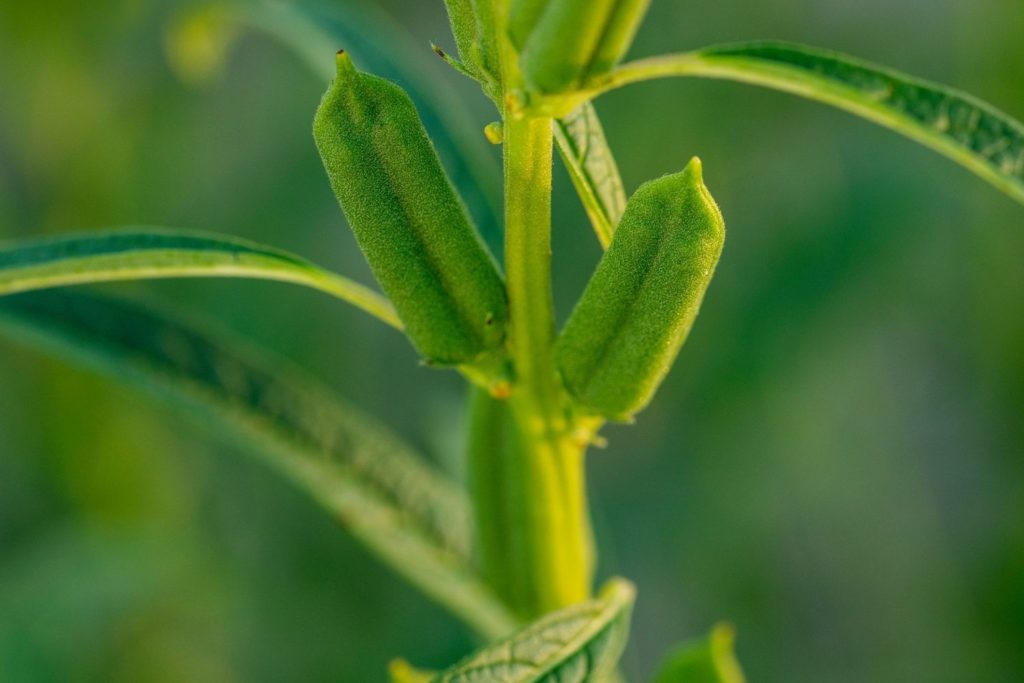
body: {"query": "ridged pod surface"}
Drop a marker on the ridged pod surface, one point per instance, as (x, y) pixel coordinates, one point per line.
(573, 40)
(638, 307)
(409, 222)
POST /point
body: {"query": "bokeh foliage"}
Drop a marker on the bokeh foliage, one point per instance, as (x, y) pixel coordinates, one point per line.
(835, 465)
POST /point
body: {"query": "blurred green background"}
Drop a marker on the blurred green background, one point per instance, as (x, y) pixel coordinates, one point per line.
(836, 464)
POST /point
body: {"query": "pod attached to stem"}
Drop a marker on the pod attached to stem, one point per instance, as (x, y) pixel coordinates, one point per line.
(408, 220)
(566, 42)
(638, 307)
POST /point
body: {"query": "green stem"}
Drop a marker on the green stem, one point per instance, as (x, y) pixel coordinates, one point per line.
(526, 464)
(528, 144)
(549, 530)
(490, 452)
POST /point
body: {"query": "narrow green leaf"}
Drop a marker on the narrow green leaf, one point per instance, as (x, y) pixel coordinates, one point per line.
(581, 644)
(592, 168)
(409, 221)
(709, 660)
(637, 309)
(487, 37)
(150, 253)
(408, 515)
(464, 30)
(474, 45)
(315, 33)
(973, 133)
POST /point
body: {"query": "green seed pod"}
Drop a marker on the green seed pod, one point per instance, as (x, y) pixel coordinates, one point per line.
(573, 40)
(522, 17)
(407, 218)
(635, 313)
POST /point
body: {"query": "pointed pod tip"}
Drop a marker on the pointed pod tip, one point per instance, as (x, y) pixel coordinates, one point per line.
(696, 168)
(344, 63)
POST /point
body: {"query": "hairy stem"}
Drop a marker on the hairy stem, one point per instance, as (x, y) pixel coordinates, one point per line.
(548, 521)
(534, 540)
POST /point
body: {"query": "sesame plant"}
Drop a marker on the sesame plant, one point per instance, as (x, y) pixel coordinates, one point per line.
(511, 553)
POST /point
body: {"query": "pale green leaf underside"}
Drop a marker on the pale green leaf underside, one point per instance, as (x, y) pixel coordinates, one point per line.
(975, 134)
(575, 645)
(593, 170)
(709, 660)
(149, 253)
(409, 516)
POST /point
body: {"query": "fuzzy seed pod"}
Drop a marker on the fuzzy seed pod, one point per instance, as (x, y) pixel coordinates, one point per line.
(570, 41)
(408, 219)
(635, 313)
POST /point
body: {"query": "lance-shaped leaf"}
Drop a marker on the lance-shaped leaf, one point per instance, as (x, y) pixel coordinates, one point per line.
(709, 660)
(151, 253)
(471, 26)
(973, 133)
(581, 644)
(593, 170)
(403, 511)
(408, 219)
(462, 19)
(637, 309)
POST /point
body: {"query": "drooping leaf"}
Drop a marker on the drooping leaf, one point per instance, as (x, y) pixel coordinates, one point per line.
(638, 307)
(709, 660)
(404, 512)
(973, 133)
(579, 644)
(592, 168)
(315, 32)
(150, 253)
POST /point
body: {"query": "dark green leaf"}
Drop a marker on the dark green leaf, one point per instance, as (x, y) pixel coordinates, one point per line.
(404, 512)
(592, 168)
(579, 644)
(147, 253)
(973, 133)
